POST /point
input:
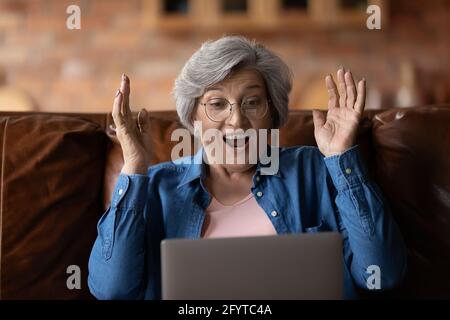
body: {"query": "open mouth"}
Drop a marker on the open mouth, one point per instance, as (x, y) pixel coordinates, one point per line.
(235, 141)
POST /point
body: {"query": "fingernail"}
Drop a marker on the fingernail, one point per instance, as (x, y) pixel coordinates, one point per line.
(117, 92)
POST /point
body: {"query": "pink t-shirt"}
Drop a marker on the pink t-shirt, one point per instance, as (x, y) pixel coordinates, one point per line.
(242, 219)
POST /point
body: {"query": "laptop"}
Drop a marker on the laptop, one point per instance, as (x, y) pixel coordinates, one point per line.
(288, 267)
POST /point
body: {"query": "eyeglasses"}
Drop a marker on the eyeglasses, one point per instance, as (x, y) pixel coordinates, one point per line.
(220, 109)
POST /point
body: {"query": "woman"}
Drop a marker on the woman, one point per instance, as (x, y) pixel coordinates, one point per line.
(232, 85)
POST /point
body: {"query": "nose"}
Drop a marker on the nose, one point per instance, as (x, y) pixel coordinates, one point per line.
(236, 119)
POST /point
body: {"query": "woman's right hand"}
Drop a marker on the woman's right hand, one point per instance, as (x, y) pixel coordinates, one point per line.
(133, 135)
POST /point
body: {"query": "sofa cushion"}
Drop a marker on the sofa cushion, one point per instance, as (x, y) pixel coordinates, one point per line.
(52, 169)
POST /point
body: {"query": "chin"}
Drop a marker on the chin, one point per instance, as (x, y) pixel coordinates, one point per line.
(238, 167)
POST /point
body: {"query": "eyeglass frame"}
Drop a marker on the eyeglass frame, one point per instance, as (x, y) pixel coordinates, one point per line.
(268, 101)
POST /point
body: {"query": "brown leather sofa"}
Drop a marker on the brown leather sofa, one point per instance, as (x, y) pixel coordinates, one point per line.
(58, 171)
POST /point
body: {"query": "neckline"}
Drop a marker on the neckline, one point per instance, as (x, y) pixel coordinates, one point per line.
(248, 197)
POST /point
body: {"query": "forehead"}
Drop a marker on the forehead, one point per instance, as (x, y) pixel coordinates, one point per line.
(242, 79)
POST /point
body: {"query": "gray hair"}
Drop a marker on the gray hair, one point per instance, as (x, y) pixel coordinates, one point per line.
(215, 60)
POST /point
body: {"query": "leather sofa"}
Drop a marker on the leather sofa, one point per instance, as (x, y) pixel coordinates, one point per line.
(58, 172)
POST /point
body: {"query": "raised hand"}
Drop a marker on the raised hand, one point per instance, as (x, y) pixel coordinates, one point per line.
(133, 135)
(336, 131)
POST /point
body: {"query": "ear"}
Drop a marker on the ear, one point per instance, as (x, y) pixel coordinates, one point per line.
(196, 131)
(194, 115)
(195, 111)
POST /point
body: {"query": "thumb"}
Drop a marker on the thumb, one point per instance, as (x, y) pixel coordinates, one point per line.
(143, 122)
(318, 118)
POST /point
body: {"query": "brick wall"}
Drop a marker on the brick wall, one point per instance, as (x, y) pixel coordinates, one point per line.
(79, 70)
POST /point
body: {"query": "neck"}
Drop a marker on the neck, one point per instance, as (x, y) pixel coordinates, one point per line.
(217, 171)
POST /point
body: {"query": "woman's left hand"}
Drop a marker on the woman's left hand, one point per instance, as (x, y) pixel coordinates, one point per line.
(336, 132)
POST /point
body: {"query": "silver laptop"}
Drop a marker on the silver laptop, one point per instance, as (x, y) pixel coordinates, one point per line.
(293, 266)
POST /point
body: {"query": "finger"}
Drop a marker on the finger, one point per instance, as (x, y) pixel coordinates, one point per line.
(361, 98)
(341, 88)
(116, 113)
(333, 95)
(351, 90)
(142, 120)
(125, 89)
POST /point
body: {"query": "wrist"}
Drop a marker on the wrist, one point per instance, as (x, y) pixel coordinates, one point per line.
(336, 152)
(134, 169)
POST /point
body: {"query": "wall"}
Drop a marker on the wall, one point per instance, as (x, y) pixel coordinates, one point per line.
(79, 70)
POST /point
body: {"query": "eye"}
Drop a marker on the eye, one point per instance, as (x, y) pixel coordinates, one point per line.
(217, 104)
(252, 102)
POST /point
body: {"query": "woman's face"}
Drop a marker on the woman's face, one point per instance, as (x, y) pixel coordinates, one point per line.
(245, 90)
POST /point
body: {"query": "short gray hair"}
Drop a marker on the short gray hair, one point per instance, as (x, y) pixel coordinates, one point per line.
(215, 60)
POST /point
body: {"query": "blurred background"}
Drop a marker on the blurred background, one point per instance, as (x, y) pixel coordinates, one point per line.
(44, 66)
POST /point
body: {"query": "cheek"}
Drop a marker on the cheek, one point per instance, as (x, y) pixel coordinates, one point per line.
(265, 123)
(268, 123)
(206, 123)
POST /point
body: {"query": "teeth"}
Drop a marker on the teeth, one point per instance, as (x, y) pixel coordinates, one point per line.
(236, 142)
(235, 139)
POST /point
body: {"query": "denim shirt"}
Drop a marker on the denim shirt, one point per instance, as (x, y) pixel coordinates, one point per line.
(309, 193)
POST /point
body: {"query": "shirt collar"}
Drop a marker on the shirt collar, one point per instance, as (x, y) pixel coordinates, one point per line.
(261, 168)
(196, 168)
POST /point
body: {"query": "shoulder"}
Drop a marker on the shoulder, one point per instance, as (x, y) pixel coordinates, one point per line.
(301, 153)
(170, 167)
(176, 171)
(301, 158)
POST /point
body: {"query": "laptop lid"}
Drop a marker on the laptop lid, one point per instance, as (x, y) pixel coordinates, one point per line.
(292, 266)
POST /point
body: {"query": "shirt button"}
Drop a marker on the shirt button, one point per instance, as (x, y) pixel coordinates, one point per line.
(120, 191)
(258, 178)
(274, 213)
(259, 194)
(348, 171)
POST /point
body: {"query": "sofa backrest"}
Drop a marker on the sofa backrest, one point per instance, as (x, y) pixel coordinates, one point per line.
(412, 161)
(58, 171)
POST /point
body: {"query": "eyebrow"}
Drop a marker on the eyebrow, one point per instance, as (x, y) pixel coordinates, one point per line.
(254, 86)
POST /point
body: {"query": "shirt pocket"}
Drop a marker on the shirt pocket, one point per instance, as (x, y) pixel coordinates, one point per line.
(317, 228)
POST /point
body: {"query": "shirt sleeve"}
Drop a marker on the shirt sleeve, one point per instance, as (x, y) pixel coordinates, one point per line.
(117, 258)
(372, 242)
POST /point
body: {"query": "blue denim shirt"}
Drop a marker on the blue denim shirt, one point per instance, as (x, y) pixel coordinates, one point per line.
(310, 193)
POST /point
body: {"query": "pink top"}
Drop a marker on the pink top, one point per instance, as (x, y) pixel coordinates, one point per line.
(244, 218)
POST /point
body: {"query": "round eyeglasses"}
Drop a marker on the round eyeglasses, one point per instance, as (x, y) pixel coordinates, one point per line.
(220, 109)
